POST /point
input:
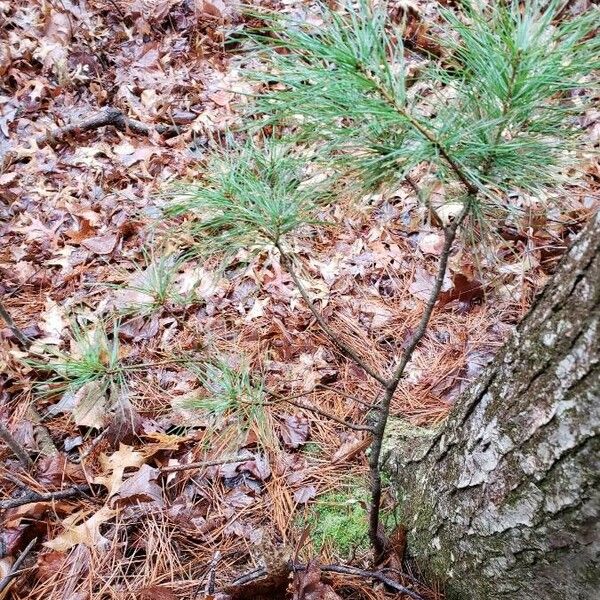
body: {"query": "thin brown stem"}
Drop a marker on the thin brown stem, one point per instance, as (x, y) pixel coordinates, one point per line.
(16, 448)
(203, 464)
(330, 416)
(379, 430)
(14, 570)
(292, 400)
(344, 348)
(460, 172)
(378, 575)
(5, 315)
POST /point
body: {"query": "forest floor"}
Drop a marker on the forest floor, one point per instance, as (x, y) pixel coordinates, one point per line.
(87, 263)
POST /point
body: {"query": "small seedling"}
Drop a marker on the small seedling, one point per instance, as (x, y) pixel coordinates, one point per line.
(152, 287)
(249, 197)
(232, 394)
(94, 357)
(496, 114)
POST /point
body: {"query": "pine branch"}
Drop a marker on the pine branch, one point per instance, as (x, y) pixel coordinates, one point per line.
(471, 188)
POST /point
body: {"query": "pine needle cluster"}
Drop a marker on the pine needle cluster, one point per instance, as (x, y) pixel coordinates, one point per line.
(499, 105)
(94, 357)
(497, 113)
(250, 195)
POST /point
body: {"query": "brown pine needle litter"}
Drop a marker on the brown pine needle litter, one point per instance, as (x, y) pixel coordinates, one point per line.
(124, 315)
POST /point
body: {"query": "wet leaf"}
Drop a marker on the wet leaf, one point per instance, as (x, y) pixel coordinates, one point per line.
(139, 487)
(463, 289)
(308, 585)
(101, 244)
(294, 430)
(90, 406)
(304, 494)
(56, 470)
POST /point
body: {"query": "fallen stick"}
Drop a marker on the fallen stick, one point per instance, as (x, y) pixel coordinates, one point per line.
(291, 400)
(31, 497)
(205, 463)
(82, 489)
(14, 570)
(340, 569)
(15, 447)
(397, 587)
(108, 116)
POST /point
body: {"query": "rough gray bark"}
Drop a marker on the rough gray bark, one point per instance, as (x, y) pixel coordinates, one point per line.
(504, 501)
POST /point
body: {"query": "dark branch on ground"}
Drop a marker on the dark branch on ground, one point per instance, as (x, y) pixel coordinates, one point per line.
(30, 497)
(15, 447)
(14, 570)
(262, 572)
(109, 116)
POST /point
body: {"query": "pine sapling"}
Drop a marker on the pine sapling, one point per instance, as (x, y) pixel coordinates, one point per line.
(496, 115)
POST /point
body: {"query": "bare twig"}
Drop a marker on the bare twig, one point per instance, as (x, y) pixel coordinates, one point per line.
(292, 400)
(341, 569)
(5, 315)
(202, 464)
(108, 116)
(328, 415)
(14, 570)
(345, 570)
(16, 448)
(286, 262)
(210, 583)
(258, 573)
(390, 388)
(31, 497)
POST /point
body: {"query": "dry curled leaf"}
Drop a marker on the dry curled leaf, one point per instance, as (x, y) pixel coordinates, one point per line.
(115, 465)
(86, 533)
(101, 244)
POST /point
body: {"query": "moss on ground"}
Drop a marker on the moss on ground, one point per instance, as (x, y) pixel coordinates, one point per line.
(338, 521)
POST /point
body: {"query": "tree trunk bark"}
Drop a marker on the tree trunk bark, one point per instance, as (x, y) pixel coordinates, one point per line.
(504, 501)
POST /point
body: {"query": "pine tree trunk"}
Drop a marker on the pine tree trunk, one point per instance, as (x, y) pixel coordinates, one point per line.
(504, 501)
